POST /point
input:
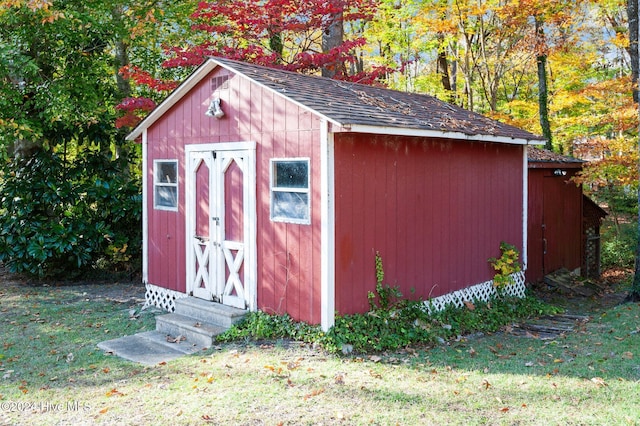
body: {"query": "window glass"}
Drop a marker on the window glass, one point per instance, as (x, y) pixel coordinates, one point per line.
(165, 185)
(168, 172)
(291, 174)
(290, 191)
(290, 205)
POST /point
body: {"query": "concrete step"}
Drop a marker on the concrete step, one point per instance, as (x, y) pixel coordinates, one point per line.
(149, 348)
(209, 312)
(195, 331)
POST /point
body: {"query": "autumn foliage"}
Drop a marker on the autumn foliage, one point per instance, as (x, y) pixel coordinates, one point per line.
(285, 34)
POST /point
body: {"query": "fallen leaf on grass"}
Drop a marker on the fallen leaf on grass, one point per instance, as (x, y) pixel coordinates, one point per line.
(292, 365)
(469, 305)
(114, 392)
(104, 410)
(486, 384)
(599, 381)
(316, 392)
(504, 409)
(276, 370)
(627, 355)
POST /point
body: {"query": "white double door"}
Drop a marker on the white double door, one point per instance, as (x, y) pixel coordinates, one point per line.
(220, 223)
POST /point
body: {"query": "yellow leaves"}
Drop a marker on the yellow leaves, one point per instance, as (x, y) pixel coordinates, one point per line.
(43, 7)
(273, 369)
(621, 40)
(114, 392)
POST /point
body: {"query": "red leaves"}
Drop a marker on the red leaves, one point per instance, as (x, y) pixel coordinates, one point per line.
(244, 30)
(144, 78)
(132, 104)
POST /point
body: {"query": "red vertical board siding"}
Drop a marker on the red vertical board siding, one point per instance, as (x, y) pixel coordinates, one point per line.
(435, 210)
(288, 254)
(555, 216)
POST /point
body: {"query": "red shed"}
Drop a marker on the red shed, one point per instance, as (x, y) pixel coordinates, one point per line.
(266, 189)
(564, 225)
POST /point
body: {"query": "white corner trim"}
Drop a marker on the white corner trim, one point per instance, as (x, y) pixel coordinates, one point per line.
(327, 231)
(525, 207)
(145, 208)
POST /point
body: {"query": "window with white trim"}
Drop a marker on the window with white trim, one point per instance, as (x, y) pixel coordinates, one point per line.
(290, 190)
(165, 185)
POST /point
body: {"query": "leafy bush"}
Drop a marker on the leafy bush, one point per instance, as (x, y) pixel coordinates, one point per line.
(59, 218)
(618, 249)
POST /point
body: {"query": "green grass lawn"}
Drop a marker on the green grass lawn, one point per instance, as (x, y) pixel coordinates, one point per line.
(51, 373)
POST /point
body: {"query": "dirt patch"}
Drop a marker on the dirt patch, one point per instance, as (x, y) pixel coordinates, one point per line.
(122, 291)
(585, 297)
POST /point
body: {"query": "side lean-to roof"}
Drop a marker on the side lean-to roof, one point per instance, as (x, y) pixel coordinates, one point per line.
(358, 108)
(541, 158)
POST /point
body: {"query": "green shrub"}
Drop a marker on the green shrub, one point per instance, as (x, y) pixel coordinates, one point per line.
(61, 219)
(618, 249)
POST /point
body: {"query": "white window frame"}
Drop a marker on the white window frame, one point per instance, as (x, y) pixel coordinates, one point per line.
(158, 184)
(282, 189)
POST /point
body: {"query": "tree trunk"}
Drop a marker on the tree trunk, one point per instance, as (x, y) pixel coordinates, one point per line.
(443, 69)
(122, 59)
(632, 13)
(543, 90)
(332, 37)
(632, 9)
(543, 101)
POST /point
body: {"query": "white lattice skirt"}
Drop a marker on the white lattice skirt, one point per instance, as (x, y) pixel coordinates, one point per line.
(482, 292)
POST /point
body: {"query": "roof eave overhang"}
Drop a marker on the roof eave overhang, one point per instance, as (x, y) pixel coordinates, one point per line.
(403, 131)
(172, 99)
(533, 164)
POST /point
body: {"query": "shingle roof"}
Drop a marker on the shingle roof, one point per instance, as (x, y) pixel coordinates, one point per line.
(540, 155)
(358, 107)
(348, 103)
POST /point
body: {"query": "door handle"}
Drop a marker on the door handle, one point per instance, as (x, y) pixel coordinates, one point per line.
(544, 246)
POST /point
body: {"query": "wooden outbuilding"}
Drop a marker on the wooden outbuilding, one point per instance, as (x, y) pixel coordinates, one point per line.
(271, 190)
(564, 224)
